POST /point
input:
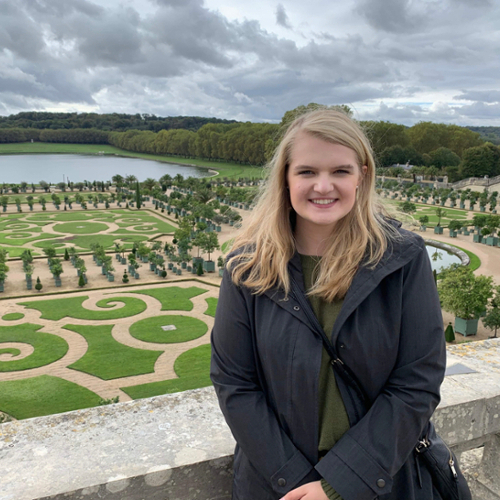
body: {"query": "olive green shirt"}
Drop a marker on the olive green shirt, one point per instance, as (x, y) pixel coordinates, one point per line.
(333, 420)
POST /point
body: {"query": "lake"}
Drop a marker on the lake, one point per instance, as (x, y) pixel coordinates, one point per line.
(78, 168)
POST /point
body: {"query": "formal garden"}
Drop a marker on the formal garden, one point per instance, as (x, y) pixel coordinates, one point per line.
(136, 291)
(61, 354)
(136, 269)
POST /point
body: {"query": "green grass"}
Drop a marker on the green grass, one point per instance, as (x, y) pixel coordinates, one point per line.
(192, 368)
(212, 306)
(108, 359)
(231, 170)
(20, 238)
(227, 245)
(43, 395)
(48, 347)
(173, 298)
(10, 350)
(83, 227)
(16, 251)
(56, 309)
(150, 329)
(12, 316)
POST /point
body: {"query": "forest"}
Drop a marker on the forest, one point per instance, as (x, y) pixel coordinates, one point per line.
(107, 122)
(433, 148)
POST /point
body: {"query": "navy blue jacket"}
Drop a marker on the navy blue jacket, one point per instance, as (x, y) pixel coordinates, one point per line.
(265, 370)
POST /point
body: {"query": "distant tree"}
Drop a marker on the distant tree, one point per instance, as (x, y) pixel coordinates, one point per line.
(480, 161)
(408, 207)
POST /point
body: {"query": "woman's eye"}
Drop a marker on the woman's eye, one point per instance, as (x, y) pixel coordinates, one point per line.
(306, 172)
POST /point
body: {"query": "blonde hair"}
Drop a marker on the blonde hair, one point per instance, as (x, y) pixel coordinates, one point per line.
(267, 243)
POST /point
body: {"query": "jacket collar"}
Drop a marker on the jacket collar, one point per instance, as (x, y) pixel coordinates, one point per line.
(398, 253)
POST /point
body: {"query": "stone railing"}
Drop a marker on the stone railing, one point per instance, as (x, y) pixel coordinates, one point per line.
(178, 446)
(476, 181)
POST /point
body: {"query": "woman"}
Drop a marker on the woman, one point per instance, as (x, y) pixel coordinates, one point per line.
(317, 231)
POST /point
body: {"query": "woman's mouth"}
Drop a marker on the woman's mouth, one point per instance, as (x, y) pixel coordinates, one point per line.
(323, 201)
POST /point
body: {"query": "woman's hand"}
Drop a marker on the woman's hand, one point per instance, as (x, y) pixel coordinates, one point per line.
(309, 491)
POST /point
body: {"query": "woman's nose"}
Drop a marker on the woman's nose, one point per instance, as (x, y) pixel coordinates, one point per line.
(323, 184)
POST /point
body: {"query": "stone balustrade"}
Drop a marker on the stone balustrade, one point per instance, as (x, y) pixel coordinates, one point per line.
(178, 446)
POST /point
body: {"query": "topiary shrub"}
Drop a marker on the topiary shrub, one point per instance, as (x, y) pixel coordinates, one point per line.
(125, 277)
(199, 269)
(38, 285)
(81, 281)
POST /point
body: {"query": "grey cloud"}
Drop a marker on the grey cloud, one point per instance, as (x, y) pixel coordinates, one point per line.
(481, 110)
(63, 8)
(393, 16)
(19, 33)
(180, 57)
(282, 17)
(479, 95)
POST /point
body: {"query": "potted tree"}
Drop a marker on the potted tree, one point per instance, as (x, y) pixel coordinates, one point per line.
(454, 226)
(209, 242)
(492, 224)
(492, 318)
(479, 222)
(221, 265)
(440, 213)
(465, 295)
(423, 222)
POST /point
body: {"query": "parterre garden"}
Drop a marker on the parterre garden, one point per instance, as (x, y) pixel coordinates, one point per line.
(97, 347)
(36, 231)
(62, 354)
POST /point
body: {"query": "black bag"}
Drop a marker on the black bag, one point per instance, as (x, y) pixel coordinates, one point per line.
(431, 450)
(441, 462)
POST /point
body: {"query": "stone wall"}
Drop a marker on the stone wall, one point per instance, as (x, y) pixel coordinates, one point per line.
(178, 447)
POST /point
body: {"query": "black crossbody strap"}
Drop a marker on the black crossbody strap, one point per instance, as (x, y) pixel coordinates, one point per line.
(338, 365)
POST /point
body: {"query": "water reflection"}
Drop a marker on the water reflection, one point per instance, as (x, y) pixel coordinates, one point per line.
(78, 168)
(440, 259)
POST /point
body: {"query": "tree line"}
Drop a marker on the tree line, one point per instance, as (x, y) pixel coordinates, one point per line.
(108, 122)
(450, 150)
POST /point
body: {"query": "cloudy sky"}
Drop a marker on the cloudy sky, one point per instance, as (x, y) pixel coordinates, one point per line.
(397, 60)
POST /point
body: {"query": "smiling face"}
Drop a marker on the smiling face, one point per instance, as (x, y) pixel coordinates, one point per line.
(322, 178)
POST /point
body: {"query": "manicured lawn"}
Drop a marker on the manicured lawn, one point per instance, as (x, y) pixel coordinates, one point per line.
(57, 309)
(212, 306)
(16, 251)
(150, 329)
(227, 245)
(10, 350)
(108, 359)
(43, 395)
(20, 238)
(12, 316)
(48, 347)
(192, 368)
(81, 227)
(173, 298)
